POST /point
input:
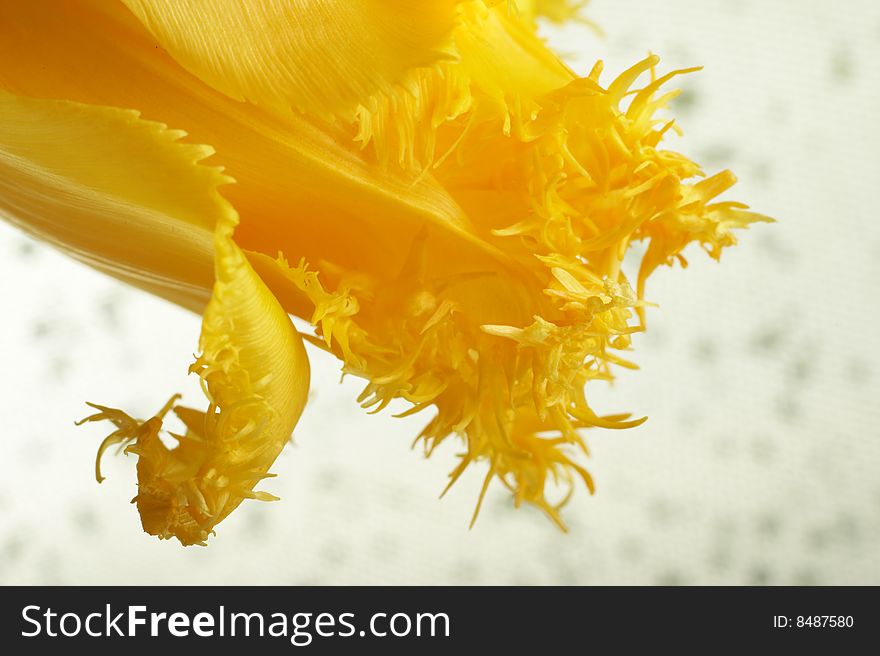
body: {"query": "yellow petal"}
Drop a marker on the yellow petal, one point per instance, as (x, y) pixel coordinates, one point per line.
(256, 376)
(458, 243)
(117, 192)
(504, 56)
(289, 171)
(561, 174)
(128, 195)
(315, 55)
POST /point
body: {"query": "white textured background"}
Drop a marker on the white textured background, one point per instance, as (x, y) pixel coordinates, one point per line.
(760, 463)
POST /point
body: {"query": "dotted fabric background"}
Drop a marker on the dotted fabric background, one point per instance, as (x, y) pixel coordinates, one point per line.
(760, 463)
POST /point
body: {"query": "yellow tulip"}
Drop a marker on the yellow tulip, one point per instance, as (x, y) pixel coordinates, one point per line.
(424, 181)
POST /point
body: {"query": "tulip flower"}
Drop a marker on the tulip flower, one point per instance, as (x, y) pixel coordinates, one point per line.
(444, 200)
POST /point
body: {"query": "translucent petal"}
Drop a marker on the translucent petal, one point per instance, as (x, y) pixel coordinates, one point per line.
(457, 243)
(289, 170)
(256, 376)
(118, 192)
(315, 55)
(129, 195)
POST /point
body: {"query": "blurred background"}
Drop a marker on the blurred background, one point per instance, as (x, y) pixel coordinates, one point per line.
(760, 463)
